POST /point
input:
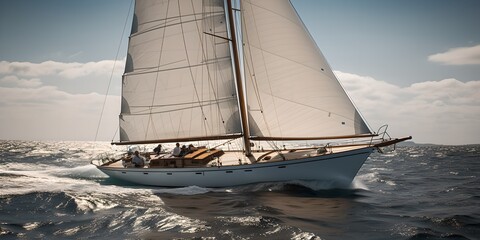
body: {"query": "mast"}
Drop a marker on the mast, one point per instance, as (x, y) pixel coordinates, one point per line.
(241, 96)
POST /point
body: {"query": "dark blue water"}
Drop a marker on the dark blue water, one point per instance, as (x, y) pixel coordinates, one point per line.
(48, 190)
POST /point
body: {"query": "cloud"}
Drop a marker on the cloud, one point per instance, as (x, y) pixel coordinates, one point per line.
(33, 107)
(66, 70)
(46, 113)
(458, 56)
(445, 111)
(14, 81)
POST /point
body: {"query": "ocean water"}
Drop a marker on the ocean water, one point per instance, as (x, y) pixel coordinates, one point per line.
(48, 190)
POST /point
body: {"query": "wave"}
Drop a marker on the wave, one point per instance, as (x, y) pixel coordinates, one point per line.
(293, 187)
(80, 172)
(456, 221)
(49, 190)
(430, 236)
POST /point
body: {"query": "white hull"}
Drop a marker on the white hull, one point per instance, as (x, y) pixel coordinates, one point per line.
(336, 169)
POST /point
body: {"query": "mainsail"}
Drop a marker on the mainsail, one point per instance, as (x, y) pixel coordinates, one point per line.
(178, 81)
(292, 92)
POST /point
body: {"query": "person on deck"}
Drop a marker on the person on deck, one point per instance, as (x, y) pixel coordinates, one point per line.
(127, 160)
(137, 160)
(158, 149)
(183, 151)
(176, 151)
(191, 148)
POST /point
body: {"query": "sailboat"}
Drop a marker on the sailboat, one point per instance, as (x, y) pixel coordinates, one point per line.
(210, 73)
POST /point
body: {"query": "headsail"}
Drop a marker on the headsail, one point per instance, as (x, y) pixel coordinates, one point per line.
(291, 91)
(178, 81)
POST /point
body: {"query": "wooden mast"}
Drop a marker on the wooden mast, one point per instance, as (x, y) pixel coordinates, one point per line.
(241, 96)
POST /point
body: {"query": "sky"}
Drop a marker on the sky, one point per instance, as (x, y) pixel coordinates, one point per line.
(414, 65)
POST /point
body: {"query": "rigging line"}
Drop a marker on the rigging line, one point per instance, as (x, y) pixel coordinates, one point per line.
(218, 145)
(205, 102)
(291, 60)
(166, 111)
(191, 73)
(305, 30)
(202, 57)
(276, 13)
(191, 115)
(302, 26)
(166, 22)
(152, 69)
(312, 107)
(113, 69)
(254, 79)
(252, 70)
(273, 145)
(156, 79)
(114, 135)
(217, 36)
(267, 78)
(205, 57)
(166, 25)
(179, 129)
(217, 79)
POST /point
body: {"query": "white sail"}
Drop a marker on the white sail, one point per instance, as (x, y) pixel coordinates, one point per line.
(291, 90)
(178, 80)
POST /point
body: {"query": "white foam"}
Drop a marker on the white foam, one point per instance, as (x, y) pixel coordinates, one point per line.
(191, 190)
(305, 235)
(358, 184)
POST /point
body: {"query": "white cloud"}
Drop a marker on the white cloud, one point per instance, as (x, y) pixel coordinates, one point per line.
(445, 111)
(66, 70)
(14, 81)
(32, 109)
(458, 56)
(46, 113)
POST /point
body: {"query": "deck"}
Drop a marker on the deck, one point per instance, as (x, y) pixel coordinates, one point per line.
(215, 157)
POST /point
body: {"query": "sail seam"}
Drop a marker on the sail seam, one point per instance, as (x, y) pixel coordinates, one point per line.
(252, 70)
(156, 82)
(263, 50)
(191, 73)
(267, 74)
(312, 107)
(208, 72)
(167, 20)
(172, 69)
(226, 99)
(268, 10)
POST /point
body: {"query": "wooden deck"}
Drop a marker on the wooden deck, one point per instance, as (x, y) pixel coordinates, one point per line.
(204, 157)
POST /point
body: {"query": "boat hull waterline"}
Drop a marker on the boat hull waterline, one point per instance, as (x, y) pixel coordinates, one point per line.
(336, 170)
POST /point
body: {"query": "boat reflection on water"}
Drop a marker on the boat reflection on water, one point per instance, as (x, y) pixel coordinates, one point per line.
(270, 213)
